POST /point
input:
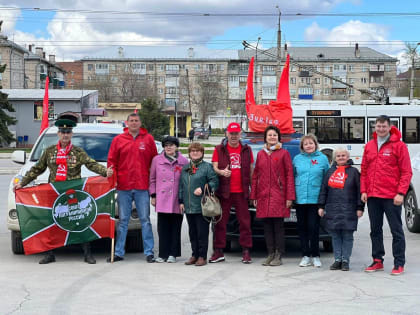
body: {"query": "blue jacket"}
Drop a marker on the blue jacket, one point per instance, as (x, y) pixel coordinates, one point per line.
(309, 171)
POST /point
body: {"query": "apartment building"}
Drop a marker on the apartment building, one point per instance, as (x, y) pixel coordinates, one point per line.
(362, 67)
(28, 69)
(181, 81)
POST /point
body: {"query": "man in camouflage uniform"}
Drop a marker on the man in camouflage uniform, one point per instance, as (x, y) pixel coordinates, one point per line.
(68, 168)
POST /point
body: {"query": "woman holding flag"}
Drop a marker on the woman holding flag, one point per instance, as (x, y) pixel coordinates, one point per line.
(64, 161)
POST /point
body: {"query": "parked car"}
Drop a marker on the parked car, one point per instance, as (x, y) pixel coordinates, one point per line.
(95, 139)
(201, 133)
(291, 144)
(411, 206)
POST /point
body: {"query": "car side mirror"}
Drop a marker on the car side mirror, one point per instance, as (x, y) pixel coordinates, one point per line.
(19, 157)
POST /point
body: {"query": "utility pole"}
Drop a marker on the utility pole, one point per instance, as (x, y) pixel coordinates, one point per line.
(413, 54)
(278, 46)
(256, 69)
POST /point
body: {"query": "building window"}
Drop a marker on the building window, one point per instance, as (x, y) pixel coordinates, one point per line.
(90, 67)
(101, 66)
(363, 80)
(318, 92)
(221, 67)
(305, 91)
(243, 78)
(306, 80)
(336, 67)
(112, 67)
(197, 66)
(352, 80)
(351, 91)
(150, 78)
(327, 68)
(293, 93)
(317, 80)
(326, 91)
(160, 91)
(351, 68)
(233, 78)
(161, 79)
(150, 67)
(292, 80)
(38, 110)
(364, 68)
(327, 80)
(293, 69)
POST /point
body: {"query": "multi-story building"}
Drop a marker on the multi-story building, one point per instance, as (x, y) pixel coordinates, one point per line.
(26, 69)
(38, 67)
(206, 86)
(313, 69)
(12, 55)
(73, 74)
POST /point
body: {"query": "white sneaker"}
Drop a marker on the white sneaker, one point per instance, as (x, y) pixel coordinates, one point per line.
(171, 259)
(305, 262)
(159, 260)
(317, 262)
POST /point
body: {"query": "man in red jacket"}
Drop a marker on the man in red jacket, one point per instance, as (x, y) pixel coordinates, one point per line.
(385, 178)
(130, 156)
(233, 162)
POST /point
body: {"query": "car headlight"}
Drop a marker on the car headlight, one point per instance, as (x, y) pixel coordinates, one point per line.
(13, 214)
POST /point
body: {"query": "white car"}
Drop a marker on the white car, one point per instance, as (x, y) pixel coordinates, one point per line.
(411, 206)
(95, 139)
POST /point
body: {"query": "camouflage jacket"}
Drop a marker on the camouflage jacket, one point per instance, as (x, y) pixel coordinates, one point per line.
(77, 158)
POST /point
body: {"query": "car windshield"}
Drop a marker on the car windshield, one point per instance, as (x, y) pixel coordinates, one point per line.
(96, 145)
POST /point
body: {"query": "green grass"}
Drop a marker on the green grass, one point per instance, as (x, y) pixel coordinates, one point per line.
(10, 150)
(185, 145)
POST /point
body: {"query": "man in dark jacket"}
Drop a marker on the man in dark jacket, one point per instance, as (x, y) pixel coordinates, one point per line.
(130, 156)
(233, 161)
(385, 178)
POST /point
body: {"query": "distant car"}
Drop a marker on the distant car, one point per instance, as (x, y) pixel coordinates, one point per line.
(411, 206)
(291, 144)
(201, 133)
(95, 139)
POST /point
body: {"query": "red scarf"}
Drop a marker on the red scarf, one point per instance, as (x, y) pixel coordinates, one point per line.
(338, 178)
(61, 161)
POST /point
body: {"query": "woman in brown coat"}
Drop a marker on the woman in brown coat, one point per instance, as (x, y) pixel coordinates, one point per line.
(272, 192)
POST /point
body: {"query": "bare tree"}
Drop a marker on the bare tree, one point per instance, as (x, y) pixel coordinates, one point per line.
(412, 56)
(104, 85)
(134, 86)
(208, 95)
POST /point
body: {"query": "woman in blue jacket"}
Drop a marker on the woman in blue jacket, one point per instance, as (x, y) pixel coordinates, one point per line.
(309, 167)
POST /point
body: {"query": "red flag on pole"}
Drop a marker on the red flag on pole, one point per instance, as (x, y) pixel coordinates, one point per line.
(278, 113)
(44, 122)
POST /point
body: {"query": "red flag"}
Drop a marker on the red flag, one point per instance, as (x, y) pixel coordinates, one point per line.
(277, 113)
(44, 122)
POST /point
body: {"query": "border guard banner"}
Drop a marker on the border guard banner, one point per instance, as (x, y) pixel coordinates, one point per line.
(64, 213)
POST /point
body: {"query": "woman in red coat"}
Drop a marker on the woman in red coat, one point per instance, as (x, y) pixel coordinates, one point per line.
(272, 191)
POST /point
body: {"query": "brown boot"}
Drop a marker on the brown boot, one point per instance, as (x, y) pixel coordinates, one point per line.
(277, 259)
(201, 262)
(269, 259)
(191, 261)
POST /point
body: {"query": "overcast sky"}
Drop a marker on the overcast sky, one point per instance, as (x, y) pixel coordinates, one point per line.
(167, 28)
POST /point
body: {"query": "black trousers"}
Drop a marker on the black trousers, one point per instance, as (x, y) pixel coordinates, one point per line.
(198, 229)
(376, 208)
(169, 230)
(308, 228)
(274, 234)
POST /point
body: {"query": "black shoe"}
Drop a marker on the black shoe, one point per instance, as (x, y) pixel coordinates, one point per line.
(345, 266)
(150, 259)
(336, 265)
(90, 260)
(49, 258)
(116, 258)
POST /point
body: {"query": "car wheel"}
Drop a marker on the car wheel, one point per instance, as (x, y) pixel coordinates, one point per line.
(134, 242)
(327, 245)
(412, 218)
(17, 245)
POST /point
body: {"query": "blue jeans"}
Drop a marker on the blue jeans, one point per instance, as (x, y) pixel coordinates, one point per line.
(342, 244)
(142, 201)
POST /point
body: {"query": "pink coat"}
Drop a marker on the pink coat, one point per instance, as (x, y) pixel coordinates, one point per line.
(164, 182)
(272, 184)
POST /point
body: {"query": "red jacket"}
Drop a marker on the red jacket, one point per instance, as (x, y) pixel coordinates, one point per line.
(273, 183)
(131, 159)
(387, 172)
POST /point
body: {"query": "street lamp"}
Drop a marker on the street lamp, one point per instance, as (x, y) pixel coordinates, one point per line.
(413, 53)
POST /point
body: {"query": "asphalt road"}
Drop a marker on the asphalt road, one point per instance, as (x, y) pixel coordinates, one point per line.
(71, 286)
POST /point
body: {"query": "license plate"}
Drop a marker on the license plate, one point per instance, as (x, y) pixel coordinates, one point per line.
(292, 217)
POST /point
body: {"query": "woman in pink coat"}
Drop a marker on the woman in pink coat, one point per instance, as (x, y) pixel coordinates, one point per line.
(164, 181)
(272, 191)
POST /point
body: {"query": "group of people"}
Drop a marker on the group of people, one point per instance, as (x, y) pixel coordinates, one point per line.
(175, 185)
